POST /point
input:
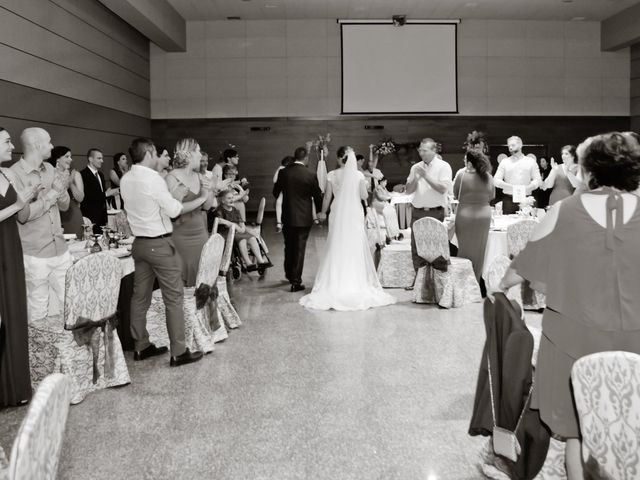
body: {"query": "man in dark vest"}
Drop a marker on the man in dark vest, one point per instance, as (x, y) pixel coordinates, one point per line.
(94, 204)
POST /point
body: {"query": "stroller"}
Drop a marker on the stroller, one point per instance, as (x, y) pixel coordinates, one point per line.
(238, 266)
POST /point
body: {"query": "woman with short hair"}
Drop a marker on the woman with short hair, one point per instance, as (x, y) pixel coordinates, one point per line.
(585, 254)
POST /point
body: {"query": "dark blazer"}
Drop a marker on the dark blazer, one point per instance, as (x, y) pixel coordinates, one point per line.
(298, 186)
(94, 205)
(509, 346)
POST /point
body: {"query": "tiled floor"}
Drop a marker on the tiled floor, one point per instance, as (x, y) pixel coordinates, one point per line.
(380, 394)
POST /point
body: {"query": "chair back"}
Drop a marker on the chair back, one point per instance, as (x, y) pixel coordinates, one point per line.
(518, 235)
(92, 286)
(260, 215)
(432, 239)
(228, 250)
(122, 223)
(210, 260)
(606, 388)
(36, 450)
(494, 274)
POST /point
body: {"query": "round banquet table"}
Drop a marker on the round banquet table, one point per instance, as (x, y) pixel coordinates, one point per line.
(497, 241)
(402, 203)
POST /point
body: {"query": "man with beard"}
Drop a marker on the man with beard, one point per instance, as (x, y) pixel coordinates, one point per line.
(515, 173)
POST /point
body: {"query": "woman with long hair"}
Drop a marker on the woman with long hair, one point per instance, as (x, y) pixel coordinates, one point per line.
(15, 380)
(473, 188)
(561, 175)
(120, 167)
(189, 229)
(71, 219)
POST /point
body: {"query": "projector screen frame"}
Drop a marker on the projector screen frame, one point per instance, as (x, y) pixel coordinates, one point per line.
(454, 22)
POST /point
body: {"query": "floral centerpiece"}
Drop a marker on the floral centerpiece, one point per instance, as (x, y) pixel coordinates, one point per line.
(528, 207)
(386, 147)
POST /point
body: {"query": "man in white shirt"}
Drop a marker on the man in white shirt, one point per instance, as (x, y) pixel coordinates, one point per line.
(150, 208)
(430, 182)
(516, 170)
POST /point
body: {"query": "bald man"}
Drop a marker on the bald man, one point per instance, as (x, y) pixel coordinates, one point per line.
(46, 258)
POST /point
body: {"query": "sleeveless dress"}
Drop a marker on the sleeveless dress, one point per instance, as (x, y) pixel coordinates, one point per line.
(562, 187)
(347, 279)
(15, 379)
(72, 219)
(189, 236)
(592, 275)
(473, 217)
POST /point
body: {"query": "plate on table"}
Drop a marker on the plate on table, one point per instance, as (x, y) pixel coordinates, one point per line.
(70, 236)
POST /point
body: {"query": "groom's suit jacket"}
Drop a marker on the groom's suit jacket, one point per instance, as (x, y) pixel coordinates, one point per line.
(299, 187)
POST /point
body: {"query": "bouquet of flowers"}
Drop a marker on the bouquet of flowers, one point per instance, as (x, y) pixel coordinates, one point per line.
(386, 147)
(321, 144)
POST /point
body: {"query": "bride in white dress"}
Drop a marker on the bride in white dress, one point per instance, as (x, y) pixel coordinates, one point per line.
(347, 278)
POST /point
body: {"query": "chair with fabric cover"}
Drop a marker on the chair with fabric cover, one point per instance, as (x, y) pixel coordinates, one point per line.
(606, 389)
(492, 278)
(227, 311)
(518, 234)
(122, 224)
(4, 465)
(36, 449)
(84, 343)
(376, 236)
(447, 281)
(198, 316)
(256, 228)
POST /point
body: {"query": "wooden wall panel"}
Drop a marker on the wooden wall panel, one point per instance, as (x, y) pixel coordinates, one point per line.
(57, 47)
(261, 151)
(90, 26)
(75, 124)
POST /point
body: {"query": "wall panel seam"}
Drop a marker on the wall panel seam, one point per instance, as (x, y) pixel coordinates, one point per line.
(78, 100)
(42, 122)
(135, 52)
(78, 44)
(75, 71)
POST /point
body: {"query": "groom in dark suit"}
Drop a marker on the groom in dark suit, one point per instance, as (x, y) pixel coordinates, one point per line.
(299, 187)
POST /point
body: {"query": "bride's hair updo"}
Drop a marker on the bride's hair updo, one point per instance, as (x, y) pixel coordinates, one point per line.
(183, 150)
(342, 154)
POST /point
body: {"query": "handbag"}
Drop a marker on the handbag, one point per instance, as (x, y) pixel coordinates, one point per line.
(505, 442)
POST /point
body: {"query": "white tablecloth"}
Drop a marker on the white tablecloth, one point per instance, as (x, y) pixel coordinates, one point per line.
(78, 251)
(497, 241)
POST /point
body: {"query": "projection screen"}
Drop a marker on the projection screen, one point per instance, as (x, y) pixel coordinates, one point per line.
(407, 69)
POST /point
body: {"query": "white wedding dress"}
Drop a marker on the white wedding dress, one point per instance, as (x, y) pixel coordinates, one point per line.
(347, 278)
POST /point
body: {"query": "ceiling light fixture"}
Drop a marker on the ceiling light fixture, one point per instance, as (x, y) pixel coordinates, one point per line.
(578, 19)
(234, 18)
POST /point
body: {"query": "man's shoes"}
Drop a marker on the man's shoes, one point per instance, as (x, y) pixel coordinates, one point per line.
(297, 287)
(150, 351)
(186, 357)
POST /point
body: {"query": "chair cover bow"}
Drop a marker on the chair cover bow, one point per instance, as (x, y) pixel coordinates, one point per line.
(439, 263)
(86, 332)
(207, 295)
